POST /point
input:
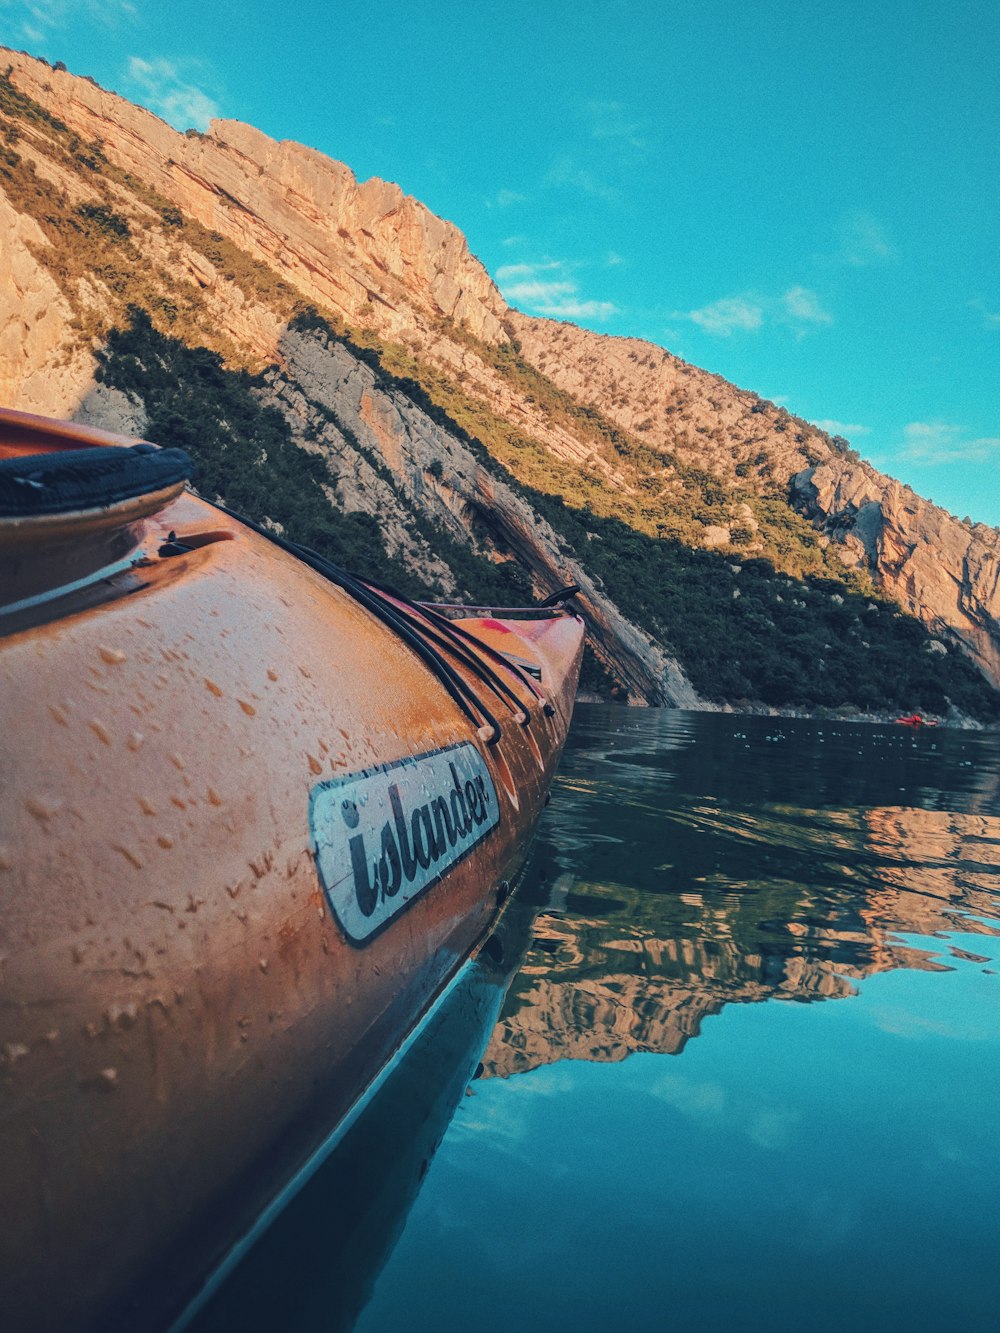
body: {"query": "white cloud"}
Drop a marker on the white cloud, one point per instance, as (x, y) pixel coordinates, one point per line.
(767, 1124)
(557, 297)
(991, 318)
(614, 259)
(939, 442)
(47, 14)
(799, 308)
(567, 173)
(802, 307)
(727, 316)
(558, 300)
(505, 199)
(862, 241)
(847, 429)
(611, 121)
(508, 271)
(162, 88)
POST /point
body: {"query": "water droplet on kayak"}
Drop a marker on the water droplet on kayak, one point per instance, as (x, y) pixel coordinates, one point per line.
(43, 807)
(145, 806)
(212, 688)
(99, 730)
(135, 740)
(113, 656)
(177, 761)
(272, 674)
(165, 841)
(58, 715)
(213, 797)
(122, 1015)
(128, 854)
(248, 708)
(314, 764)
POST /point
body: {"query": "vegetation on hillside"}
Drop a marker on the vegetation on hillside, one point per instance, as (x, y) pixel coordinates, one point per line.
(653, 492)
(746, 633)
(772, 617)
(99, 250)
(746, 629)
(246, 458)
(102, 245)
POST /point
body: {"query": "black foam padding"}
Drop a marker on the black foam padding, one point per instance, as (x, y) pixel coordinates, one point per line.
(71, 479)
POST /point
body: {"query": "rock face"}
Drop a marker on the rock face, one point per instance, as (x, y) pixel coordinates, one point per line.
(346, 244)
(376, 256)
(436, 472)
(38, 373)
(306, 230)
(698, 417)
(939, 569)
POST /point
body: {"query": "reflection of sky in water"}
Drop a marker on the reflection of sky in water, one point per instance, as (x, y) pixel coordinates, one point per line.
(796, 1165)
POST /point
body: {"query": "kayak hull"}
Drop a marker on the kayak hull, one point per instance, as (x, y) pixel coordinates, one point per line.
(183, 1013)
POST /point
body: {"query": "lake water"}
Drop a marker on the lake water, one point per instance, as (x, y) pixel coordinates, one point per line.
(733, 1060)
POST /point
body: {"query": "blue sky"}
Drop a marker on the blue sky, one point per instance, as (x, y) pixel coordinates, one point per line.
(803, 197)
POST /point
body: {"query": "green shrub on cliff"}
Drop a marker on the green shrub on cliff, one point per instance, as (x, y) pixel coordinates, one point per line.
(783, 627)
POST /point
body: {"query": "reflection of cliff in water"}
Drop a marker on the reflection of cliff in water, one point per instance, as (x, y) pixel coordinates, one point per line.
(680, 882)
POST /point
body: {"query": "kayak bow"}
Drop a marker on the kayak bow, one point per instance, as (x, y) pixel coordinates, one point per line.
(255, 814)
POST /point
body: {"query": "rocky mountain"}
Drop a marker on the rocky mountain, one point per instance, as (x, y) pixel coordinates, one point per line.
(726, 552)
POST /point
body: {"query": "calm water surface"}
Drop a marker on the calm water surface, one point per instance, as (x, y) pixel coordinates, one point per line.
(746, 1072)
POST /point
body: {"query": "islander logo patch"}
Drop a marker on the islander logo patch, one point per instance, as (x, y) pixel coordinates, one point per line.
(384, 836)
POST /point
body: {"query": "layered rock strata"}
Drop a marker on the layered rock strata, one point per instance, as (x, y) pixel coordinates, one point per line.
(943, 571)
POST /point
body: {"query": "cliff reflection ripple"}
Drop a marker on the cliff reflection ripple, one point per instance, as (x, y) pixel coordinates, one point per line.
(700, 861)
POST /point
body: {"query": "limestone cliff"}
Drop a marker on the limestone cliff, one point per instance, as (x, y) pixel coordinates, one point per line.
(221, 237)
(344, 244)
(435, 470)
(943, 571)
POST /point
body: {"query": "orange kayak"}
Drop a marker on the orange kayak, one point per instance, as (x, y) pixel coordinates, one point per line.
(254, 816)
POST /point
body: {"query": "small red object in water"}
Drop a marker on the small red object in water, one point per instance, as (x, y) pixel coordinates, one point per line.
(915, 720)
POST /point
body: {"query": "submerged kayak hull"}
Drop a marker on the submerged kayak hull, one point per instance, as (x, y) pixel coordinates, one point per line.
(186, 1004)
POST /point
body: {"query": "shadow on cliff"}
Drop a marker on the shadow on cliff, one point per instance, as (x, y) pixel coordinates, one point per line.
(742, 632)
